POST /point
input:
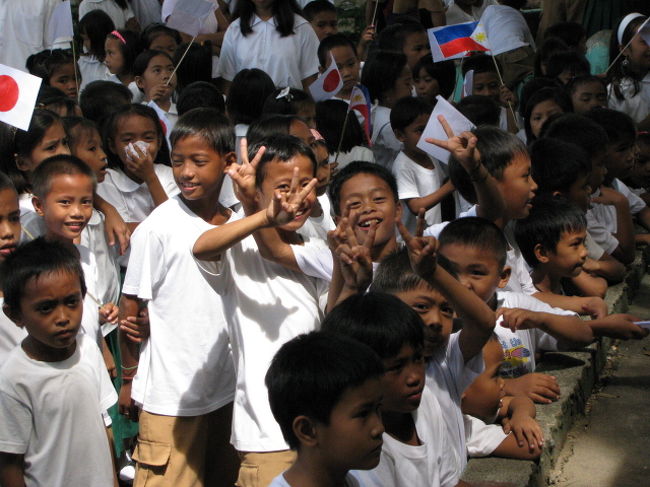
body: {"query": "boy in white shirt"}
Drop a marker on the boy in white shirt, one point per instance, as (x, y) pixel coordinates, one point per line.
(325, 392)
(54, 389)
(184, 379)
(419, 176)
(266, 304)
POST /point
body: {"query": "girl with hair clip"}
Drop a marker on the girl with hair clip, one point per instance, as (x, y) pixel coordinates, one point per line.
(93, 29)
(272, 36)
(119, 11)
(629, 89)
(122, 48)
(57, 68)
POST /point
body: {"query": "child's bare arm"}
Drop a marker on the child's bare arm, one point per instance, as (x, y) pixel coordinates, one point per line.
(607, 266)
(618, 326)
(429, 201)
(12, 470)
(114, 226)
(478, 318)
(111, 447)
(129, 306)
(592, 306)
(589, 285)
(509, 448)
(570, 331)
(540, 388)
(490, 203)
(643, 218)
(521, 413)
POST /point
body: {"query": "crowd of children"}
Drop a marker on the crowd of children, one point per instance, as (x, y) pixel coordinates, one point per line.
(210, 279)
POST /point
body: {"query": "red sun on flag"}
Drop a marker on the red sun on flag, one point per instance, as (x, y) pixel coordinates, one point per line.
(332, 80)
(9, 93)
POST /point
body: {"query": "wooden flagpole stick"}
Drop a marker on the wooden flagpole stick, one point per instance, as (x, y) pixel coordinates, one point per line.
(189, 44)
(496, 65)
(620, 52)
(374, 13)
(76, 67)
(345, 125)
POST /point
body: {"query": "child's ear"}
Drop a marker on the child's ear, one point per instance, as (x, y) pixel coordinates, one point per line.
(13, 315)
(21, 164)
(399, 135)
(305, 430)
(541, 254)
(504, 277)
(399, 209)
(139, 82)
(38, 205)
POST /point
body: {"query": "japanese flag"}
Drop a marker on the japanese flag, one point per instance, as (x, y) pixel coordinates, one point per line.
(18, 92)
(328, 84)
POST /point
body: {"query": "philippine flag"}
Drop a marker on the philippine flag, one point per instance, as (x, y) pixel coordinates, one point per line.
(455, 41)
(360, 103)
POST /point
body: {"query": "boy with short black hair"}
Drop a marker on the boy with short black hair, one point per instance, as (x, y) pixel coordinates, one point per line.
(420, 177)
(325, 391)
(54, 389)
(322, 16)
(339, 47)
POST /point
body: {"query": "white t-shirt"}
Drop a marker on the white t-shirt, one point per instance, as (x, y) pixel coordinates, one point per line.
(266, 305)
(287, 60)
(520, 280)
(317, 227)
(455, 15)
(519, 348)
(132, 200)
(506, 29)
(385, 145)
(431, 464)
(280, 481)
(636, 106)
(481, 438)
(594, 251)
(598, 229)
(448, 376)
(90, 319)
(357, 153)
(118, 15)
(146, 11)
(185, 366)
(10, 335)
(51, 412)
(415, 181)
(91, 69)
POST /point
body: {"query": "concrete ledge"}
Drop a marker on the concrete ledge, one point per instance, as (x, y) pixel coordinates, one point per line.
(577, 373)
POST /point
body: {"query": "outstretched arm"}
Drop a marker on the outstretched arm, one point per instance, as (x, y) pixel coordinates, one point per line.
(12, 470)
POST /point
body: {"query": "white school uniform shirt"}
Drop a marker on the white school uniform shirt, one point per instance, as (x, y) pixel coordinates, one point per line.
(520, 280)
(118, 15)
(317, 227)
(357, 153)
(51, 412)
(636, 106)
(280, 481)
(506, 29)
(447, 376)
(287, 60)
(455, 15)
(185, 366)
(266, 305)
(10, 335)
(136, 95)
(481, 438)
(91, 69)
(23, 26)
(90, 319)
(415, 181)
(431, 464)
(385, 145)
(594, 251)
(520, 347)
(146, 11)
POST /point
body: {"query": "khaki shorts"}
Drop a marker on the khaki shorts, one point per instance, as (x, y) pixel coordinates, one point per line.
(259, 469)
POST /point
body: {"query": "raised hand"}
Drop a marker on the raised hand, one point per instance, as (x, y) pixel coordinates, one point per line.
(462, 147)
(422, 250)
(541, 388)
(354, 257)
(140, 163)
(243, 175)
(286, 205)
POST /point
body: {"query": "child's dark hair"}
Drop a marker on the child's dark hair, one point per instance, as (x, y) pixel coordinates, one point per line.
(572, 33)
(289, 104)
(550, 46)
(45, 63)
(283, 14)
(54, 99)
(380, 73)
(144, 58)
(621, 70)
(312, 9)
(480, 110)
(129, 49)
(579, 130)
(406, 110)
(382, 321)
(154, 31)
(6, 183)
(101, 98)
(280, 148)
(34, 259)
(548, 219)
(578, 81)
(213, 127)
(96, 24)
(200, 94)
(330, 117)
(329, 43)
(268, 126)
(197, 65)
(480, 63)
(110, 127)
(22, 145)
(618, 125)
(556, 164)
(532, 87)
(63, 164)
(75, 127)
(571, 61)
(248, 92)
(444, 72)
(351, 170)
(310, 373)
(395, 275)
(392, 38)
(556, 95)
(478, 233)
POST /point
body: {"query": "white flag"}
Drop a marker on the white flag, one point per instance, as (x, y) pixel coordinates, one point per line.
(328, 84)
(188, 15)
(18, 92)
